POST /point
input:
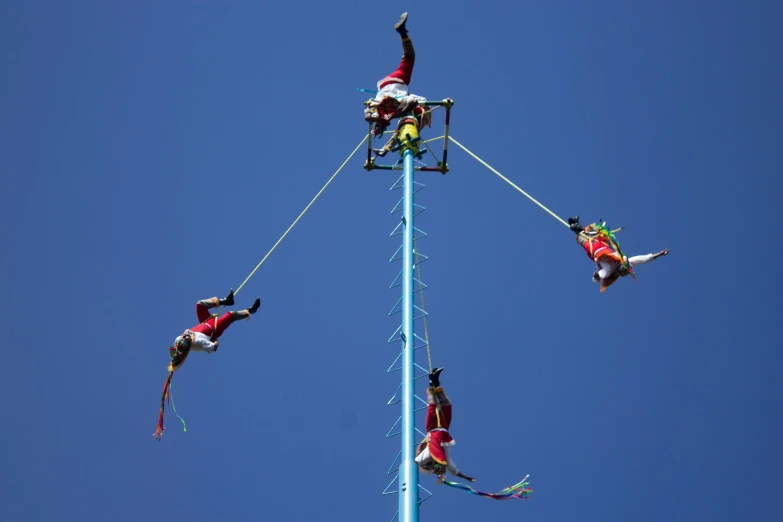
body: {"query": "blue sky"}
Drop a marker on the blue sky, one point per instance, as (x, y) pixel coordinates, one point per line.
(152, 154)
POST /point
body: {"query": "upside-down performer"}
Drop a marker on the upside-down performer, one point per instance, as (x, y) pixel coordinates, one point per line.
(393, 99)
(434, 453)
(201, 338)
(601, 247)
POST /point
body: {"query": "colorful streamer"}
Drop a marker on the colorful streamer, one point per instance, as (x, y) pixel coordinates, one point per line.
(519, 491)
(161, 428)
(167, 395)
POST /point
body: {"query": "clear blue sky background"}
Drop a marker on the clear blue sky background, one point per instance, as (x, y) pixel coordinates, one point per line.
(152, 152)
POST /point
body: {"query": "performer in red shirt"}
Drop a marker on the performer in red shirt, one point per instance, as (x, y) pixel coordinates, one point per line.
(434, 453)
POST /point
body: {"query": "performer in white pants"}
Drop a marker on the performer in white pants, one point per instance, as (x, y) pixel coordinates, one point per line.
(609, 265)
(607, 268)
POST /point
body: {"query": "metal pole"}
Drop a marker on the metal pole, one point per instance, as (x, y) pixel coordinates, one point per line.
(409, 472)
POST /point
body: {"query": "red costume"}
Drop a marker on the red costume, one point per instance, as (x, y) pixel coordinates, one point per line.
(433, 452)
(611, 263)
(214, 327)
(393, 99)
(404, 71)
(437, 424)
(204, 336)
(596, 247)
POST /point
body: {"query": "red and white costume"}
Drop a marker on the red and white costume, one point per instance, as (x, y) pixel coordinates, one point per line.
(209, 328)
(435, 449)
(395, 87)
(608, 262)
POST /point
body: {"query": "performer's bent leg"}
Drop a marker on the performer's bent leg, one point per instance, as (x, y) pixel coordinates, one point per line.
(608, 267)
(432, 417)
(437, 398)
(225, 320)
(404, 71)
(609, 281)
(203, 306)
(445, 418)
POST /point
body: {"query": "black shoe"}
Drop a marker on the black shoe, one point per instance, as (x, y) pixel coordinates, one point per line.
(573, 224)
(253, 309)
(228, 300)
(400, 25)
(435, 377)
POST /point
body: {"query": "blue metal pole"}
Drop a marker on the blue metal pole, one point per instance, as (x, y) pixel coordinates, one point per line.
(409, 472)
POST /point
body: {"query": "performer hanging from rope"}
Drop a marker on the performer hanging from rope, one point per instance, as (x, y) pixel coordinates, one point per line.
(201, 338)
(393, 99)
(602, 248)
(433, 454)
(204, 336)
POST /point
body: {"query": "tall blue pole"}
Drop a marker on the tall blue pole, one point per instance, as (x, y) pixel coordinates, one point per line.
(409, 472)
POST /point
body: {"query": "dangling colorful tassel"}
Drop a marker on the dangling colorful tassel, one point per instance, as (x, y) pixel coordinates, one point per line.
(161, 428)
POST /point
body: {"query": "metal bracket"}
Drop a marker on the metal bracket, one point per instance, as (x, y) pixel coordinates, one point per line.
(415, 143)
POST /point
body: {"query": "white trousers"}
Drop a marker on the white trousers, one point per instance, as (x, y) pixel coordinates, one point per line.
(607, 267)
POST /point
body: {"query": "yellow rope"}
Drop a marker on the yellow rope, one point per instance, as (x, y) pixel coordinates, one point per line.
(424, 309)
(531, 198)
(300, 215)
(426, 331)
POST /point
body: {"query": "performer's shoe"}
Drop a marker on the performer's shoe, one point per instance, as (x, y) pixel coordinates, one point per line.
(228, 300)
(573, 224)
(400, 25)
(253, 309)
(435, 377)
